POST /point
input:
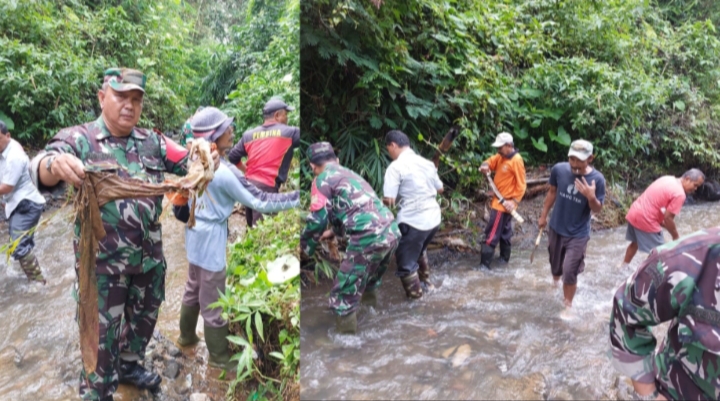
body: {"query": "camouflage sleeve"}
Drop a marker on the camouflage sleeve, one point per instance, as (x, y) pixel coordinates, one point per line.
(661, 287)
(67, 141)
(186, 136)
(317, 220)
(174, 156)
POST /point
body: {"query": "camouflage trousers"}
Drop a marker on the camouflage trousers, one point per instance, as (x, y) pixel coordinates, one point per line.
(128, 305)
(361, 270)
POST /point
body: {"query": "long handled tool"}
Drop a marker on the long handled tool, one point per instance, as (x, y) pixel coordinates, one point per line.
(502, 200)
(537, 242)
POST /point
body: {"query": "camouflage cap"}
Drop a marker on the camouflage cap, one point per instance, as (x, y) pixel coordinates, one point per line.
(125, 79)
(319, 150)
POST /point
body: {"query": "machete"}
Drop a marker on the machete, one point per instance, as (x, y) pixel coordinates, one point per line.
(537, 242)
(502, 200)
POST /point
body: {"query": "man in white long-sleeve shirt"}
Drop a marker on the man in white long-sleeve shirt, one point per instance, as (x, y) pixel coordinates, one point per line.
(415, 182)
(206, 242)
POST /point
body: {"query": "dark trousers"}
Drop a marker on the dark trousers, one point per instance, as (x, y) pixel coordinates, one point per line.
(498, 230)
(253, 216)
(25, 216)
(413, 244)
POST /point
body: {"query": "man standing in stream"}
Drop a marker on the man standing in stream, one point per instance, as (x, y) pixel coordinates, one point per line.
(656, 208)
(576, 190)
(509, 178)
(130, 264)
(414, 181)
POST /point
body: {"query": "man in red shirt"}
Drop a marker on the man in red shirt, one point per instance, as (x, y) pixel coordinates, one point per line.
(269, 150)
(657, 208)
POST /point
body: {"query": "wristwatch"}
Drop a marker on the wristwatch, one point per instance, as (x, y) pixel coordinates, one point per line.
(49, 163)
(648, 397)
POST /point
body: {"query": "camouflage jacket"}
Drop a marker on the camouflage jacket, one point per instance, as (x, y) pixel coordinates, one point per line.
(348, 202)
(678, 282)
(134, 238)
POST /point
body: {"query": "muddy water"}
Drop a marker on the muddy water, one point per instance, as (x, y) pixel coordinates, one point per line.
(39, 353)
(495, 335)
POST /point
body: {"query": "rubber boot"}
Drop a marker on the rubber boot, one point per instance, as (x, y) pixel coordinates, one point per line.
(505, 250)
(188, 322)
(486, 255)
(346, 324)
(107, 398)
(424, 273)
(412, 286)
(217, 345)
(31, 267)
(369, 298)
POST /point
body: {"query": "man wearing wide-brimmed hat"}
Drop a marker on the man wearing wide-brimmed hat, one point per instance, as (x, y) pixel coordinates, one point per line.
(130, 264)
(206, 242)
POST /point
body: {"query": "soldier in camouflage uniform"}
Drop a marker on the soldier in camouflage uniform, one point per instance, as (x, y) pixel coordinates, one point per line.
(130, 263)
(346, 200)
(678, 282)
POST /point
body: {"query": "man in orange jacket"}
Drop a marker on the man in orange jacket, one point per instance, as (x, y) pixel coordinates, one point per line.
(510, 181)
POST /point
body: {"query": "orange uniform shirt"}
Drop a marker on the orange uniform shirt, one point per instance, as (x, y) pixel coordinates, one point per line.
(509, 177)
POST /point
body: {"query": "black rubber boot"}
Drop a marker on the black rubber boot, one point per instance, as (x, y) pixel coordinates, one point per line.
(346, 324)
(424, 273)
(505, 250)
(412, 286)
(133, 373)
(486, 255)
(217, 345)
(188, 322)
(107, 398)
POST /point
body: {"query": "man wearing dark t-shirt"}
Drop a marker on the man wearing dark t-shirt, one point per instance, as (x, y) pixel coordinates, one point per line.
(576, 190)
(269, 151)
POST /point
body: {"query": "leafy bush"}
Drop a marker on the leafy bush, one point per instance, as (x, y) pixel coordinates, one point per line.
(637, 78)
(265, 318)
(53, 54)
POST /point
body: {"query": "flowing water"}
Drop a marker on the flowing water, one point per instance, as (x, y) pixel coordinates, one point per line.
(494, 335)
(39, 351)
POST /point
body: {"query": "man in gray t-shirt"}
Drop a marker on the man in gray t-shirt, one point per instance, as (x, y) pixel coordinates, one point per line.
(23, 202)
(576, 190)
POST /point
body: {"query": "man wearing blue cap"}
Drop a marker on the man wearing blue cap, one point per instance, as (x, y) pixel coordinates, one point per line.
(269, 150)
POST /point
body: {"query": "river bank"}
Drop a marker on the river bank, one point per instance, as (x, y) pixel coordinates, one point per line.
(39, 351)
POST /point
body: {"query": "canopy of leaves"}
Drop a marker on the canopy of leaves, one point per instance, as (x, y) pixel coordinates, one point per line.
(637, 78)
(53, 54)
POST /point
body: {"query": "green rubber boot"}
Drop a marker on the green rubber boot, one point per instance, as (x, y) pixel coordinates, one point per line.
(369, 298)
(217, 345)
(346, 324)
(31, 267)
(411, 284)
(188, 322)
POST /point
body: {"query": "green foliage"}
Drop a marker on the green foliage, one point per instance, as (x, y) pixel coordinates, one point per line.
(53, 54)
(641, 84)
(262, 61)
(265, 318)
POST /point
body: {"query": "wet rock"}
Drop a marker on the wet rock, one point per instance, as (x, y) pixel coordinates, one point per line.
(172, 369)
(187, 384)
(459, 354)
(199, 397)
(174, 351)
